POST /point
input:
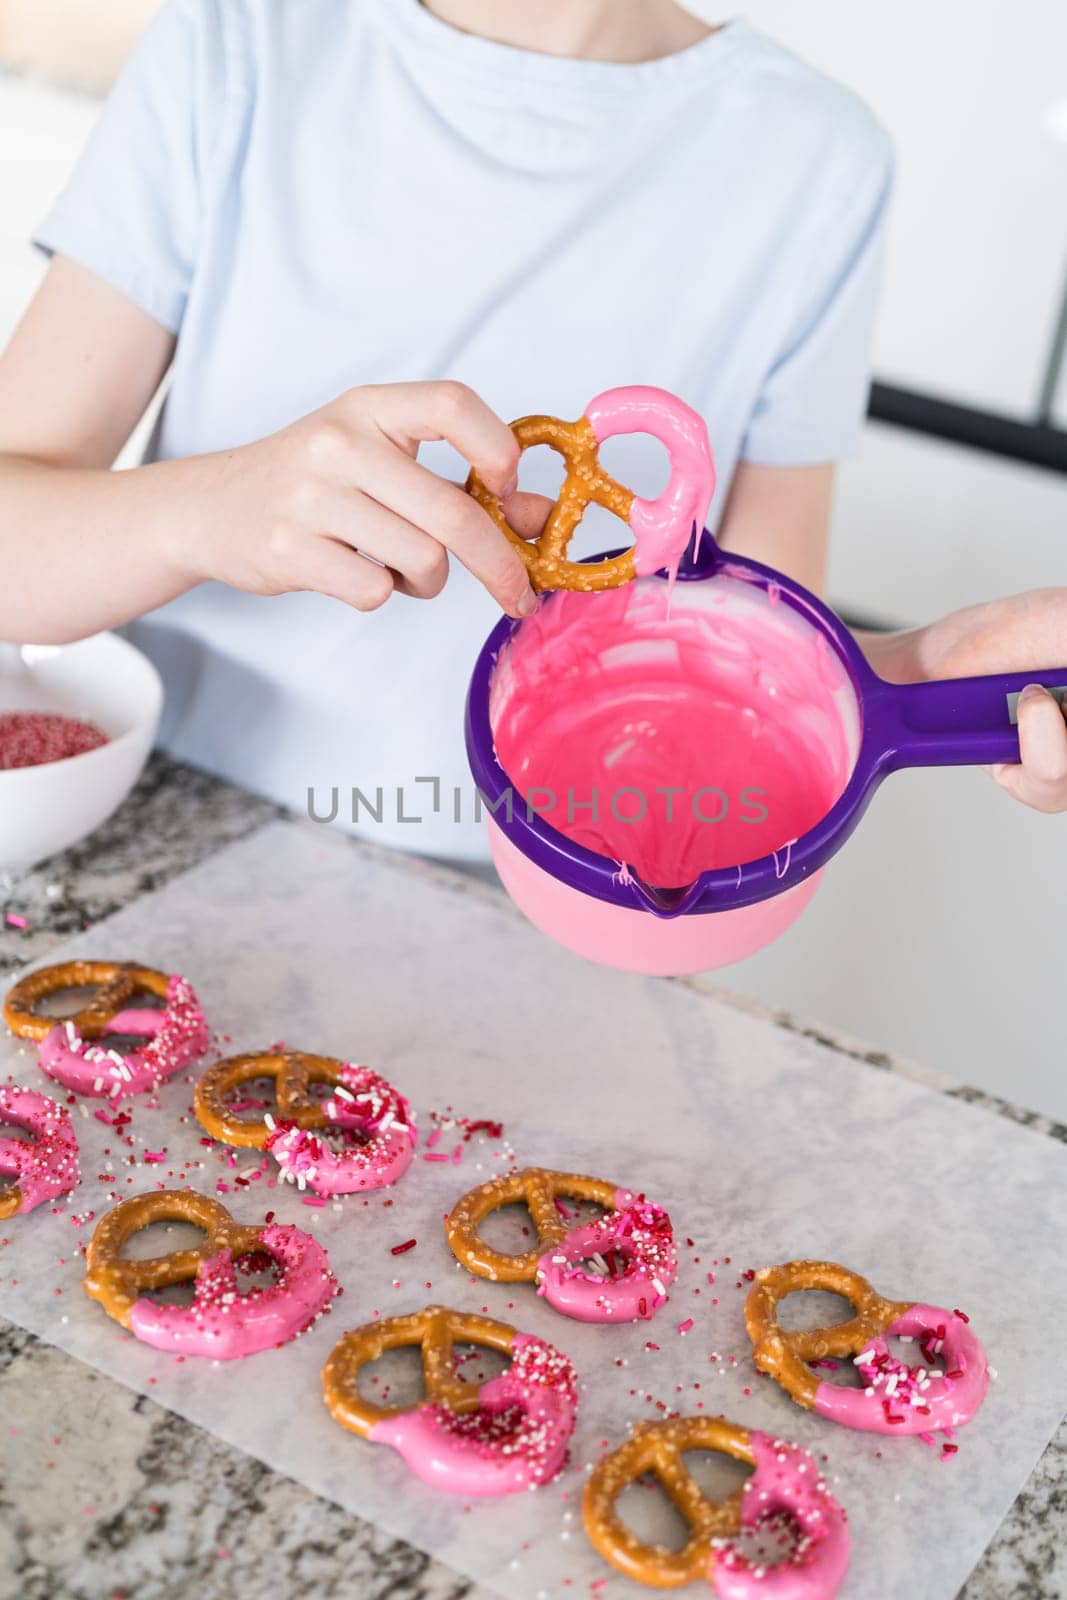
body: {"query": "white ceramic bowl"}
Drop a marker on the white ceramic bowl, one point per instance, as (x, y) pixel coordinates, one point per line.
(108, 682)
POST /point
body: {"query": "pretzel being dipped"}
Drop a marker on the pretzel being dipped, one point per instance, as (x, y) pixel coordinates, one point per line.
(74, 1049)
(662, 527)
(496, 1438)
(897, 1398)
(46, 1165)
(374, 1116)
(633, 1240)
(786, 1485)
(222, 1322)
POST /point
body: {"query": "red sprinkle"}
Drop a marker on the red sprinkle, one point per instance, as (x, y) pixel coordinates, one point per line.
(402, 1249)
(34, 738)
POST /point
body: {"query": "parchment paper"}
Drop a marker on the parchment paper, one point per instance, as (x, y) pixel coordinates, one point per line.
(763, 1145)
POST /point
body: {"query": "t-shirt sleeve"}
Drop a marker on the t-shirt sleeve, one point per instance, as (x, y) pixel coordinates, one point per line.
(131, 211)
(814, 398)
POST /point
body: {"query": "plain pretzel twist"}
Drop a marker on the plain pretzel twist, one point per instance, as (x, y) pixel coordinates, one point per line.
(586, 482)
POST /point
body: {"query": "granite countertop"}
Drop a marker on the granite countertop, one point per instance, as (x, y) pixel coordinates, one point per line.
(179, 1512)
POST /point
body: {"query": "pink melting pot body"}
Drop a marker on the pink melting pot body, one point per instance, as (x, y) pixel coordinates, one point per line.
(673, 733)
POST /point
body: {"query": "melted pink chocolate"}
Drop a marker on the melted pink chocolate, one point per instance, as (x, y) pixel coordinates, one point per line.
(516, 1439)
(224, 1323)
(176, 1036)
(637, 1244)
(899, 1398)
(787, 1485)
(366, 1105)
(662, 527)
(45, 1166)
(719, 694)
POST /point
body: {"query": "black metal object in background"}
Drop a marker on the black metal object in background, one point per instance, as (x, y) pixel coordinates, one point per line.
(1038, 444)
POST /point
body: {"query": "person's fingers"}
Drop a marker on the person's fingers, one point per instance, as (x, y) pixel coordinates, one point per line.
(451, 516)
(331, 567)
(419, 563)
(1042, 735)
(1039, 778)
(409, 413)
(527, 513)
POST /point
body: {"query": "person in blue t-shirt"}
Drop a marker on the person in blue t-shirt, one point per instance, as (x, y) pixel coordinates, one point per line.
(359, 233)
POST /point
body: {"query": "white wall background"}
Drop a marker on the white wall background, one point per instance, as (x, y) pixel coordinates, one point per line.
(939, 932)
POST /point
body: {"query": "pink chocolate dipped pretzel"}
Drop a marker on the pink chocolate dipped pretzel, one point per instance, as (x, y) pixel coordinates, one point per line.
(74, 1050)
(662, 527)
(223, 1322)
(372, 1118)
(496, 1438)
(43, 1167)
(633, 1240)
(786, 1487)
(897, 1397)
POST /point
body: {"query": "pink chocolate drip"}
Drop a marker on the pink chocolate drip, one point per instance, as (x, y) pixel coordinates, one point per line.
(224, 1323)
(46, 1166)
(899, 1398)
(662, 527)
(366, 1105)
(515, 1440)
(636, 1243)
(177, 1035)
(707, 735)
(787, 1485)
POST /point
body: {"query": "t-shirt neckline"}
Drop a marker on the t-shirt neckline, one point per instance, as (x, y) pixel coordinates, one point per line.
(505, 65)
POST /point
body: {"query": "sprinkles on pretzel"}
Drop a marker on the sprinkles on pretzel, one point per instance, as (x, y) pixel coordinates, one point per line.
(896, 1397)
(46, 1165)
(786, 1486)
(487, 1439)
(223, 1321)
(662, 527)
(365, 1111)
(74, 1049)
(632, 1245)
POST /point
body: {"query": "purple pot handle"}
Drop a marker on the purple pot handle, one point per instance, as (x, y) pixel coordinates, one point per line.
(955, 722)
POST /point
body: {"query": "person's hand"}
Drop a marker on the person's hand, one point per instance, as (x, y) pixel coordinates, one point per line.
(338, 503)
(1027, 632)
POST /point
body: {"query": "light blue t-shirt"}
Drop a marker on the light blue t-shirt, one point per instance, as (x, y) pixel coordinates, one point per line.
(320, 193)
